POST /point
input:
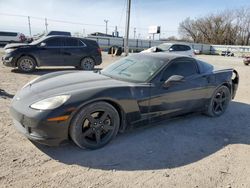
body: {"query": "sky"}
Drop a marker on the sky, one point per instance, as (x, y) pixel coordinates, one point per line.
(87, 16)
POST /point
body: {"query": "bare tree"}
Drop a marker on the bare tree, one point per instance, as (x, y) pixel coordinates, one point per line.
(227, 27)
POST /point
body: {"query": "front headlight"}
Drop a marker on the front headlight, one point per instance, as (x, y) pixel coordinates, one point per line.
(7, 51)
(50, 103)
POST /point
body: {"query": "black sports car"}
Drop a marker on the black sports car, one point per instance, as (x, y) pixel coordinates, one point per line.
(91, 107)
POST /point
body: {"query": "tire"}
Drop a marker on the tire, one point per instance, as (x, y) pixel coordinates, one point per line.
(95, 125)
(246, 64)
(87, 63)
(26, 64)
(219, 102)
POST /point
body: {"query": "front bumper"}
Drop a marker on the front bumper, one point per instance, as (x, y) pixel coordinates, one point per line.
(37, 129)
(9, 61)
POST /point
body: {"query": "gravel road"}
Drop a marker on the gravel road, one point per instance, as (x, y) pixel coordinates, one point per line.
(191, 151)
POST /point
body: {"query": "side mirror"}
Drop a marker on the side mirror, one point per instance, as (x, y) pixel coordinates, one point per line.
(43, 44)
(171, 49)
(173, 80)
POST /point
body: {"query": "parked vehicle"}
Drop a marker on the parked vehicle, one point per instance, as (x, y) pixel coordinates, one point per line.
(53, 51)
(182, 49)
(64, 33)
(91, 107)
(227, 53)
(197, 52)
(10, 37)
(50, 33)
(246, 60)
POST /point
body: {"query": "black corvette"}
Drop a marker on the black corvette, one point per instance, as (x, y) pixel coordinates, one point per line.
(91, 107)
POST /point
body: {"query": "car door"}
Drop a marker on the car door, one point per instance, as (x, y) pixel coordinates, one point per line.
(182, 97)
(73, 51)
(50, 52)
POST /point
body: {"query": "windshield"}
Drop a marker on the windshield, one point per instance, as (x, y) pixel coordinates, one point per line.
(38, 41)
(134, 68)
(164, 47)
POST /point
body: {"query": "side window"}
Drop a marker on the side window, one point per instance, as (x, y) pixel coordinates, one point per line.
(71, 42)
(185, 48)
(185, 67)
(175, 47)
(54, 42)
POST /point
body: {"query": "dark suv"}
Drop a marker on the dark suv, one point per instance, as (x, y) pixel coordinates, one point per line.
(53, 51)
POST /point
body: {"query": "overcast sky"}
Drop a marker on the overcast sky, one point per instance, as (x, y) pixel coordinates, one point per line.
(90, 14)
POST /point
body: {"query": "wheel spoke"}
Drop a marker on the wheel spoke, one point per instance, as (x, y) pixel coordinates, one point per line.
(221, 106)
(216, 107)
(91, 119)
(98, 136)
(104, 116)
(88, 132)
(108, 127)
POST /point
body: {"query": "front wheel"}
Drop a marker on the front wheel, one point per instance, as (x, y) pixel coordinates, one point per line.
(219, 102)
(26, 64)
(95, 125)
(87, 63)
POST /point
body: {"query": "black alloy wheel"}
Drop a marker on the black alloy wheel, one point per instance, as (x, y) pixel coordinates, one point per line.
(95, 125)
(219, 101)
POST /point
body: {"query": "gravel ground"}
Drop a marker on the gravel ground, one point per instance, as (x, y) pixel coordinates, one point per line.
(191, 151)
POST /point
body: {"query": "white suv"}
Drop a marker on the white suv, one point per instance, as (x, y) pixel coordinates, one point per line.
(177, 48)
(10, 37)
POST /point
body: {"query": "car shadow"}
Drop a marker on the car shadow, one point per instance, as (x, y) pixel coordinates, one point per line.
(4, 94)
(168, 144)
(42, 71)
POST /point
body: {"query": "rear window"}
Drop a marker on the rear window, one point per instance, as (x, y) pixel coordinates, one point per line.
(8, 34)
(71, 42)
(204, 67)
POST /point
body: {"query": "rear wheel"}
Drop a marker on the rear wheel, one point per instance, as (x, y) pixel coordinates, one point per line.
(87, 63)
(26, 64)
(95, 125)
(219, 102)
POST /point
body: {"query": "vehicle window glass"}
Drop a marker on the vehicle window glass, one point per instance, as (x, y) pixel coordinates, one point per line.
(71, 42)
(180, 67)
(54, 42)
(134, 68)
(175, 47)
(184, 48)
(9, 34)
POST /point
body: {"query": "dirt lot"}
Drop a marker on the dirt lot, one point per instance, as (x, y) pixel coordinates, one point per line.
(193, 151)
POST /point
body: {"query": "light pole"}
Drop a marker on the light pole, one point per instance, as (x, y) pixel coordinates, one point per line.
(46, 25)
(29, 25)
(106, 22)
(126, 48)
(134, 33)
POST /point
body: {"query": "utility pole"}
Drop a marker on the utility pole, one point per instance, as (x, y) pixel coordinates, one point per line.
(83, 32)
(126, 48)
(106, 22)
(29, 25)
(134, 33)
(46, 25)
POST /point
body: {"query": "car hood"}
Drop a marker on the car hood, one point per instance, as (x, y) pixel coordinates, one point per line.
(15, 45)
(71, 81)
